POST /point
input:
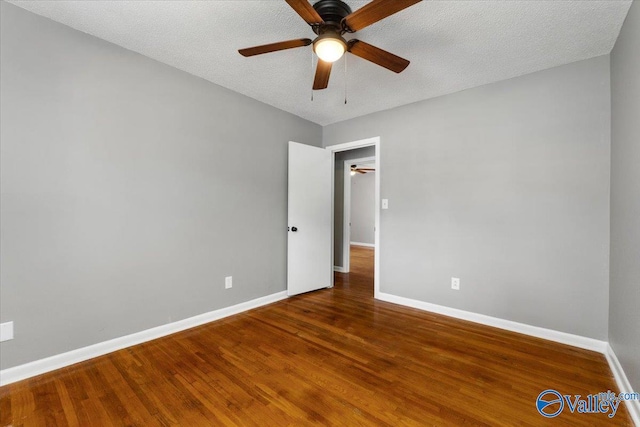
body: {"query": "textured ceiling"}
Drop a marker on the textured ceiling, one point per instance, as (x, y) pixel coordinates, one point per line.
(452, 45)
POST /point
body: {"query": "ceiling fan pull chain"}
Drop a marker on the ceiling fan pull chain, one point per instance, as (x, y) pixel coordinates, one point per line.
(345, 79)
(312, 74)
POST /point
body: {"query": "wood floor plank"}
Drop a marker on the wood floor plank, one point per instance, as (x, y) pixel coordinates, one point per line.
(331, 357)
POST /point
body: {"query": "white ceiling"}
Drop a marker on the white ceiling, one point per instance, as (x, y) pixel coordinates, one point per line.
(452, 45)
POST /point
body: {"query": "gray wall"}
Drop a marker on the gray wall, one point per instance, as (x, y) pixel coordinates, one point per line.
(363, 199)
(624, 295)
(338, 193)
(505, 186)
(129, 190)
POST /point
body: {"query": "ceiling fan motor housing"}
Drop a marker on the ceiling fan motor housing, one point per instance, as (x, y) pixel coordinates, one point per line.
(332, 13)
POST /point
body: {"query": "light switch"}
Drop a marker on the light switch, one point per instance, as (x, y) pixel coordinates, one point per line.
(385, 203)
(6, 331)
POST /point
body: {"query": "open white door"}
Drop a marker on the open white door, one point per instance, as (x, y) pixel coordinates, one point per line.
(309, 264)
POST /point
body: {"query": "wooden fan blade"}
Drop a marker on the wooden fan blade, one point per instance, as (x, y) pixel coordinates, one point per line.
(273, 47)
(375, 11)
(323, 71)
(366, 169)
(378, 56)
(360, 171)
(306, 11)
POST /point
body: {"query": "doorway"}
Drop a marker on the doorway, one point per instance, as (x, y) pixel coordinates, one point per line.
(354, 229)
(339, 224)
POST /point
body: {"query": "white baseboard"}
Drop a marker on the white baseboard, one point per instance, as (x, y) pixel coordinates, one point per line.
(624, 386)
(339, 269)
(547, 334)
(31, 369)
(366, 245)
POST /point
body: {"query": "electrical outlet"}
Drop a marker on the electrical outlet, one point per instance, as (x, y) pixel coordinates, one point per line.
(455, 283)
(228, 282)
(6, 331)
(385, 203)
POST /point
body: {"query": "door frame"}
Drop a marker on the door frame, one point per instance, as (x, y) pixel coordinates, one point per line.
(374, 141)
(346, 209)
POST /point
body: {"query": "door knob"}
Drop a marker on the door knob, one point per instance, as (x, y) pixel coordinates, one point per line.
(294, 229)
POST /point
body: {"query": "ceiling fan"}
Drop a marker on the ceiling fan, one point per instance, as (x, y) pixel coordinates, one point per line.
(330, 19)
(359, 169)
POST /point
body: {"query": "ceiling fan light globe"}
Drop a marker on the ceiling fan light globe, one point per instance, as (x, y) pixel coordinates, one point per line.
(329, 49)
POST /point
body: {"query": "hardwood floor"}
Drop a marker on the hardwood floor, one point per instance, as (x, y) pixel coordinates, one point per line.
(332, 357)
